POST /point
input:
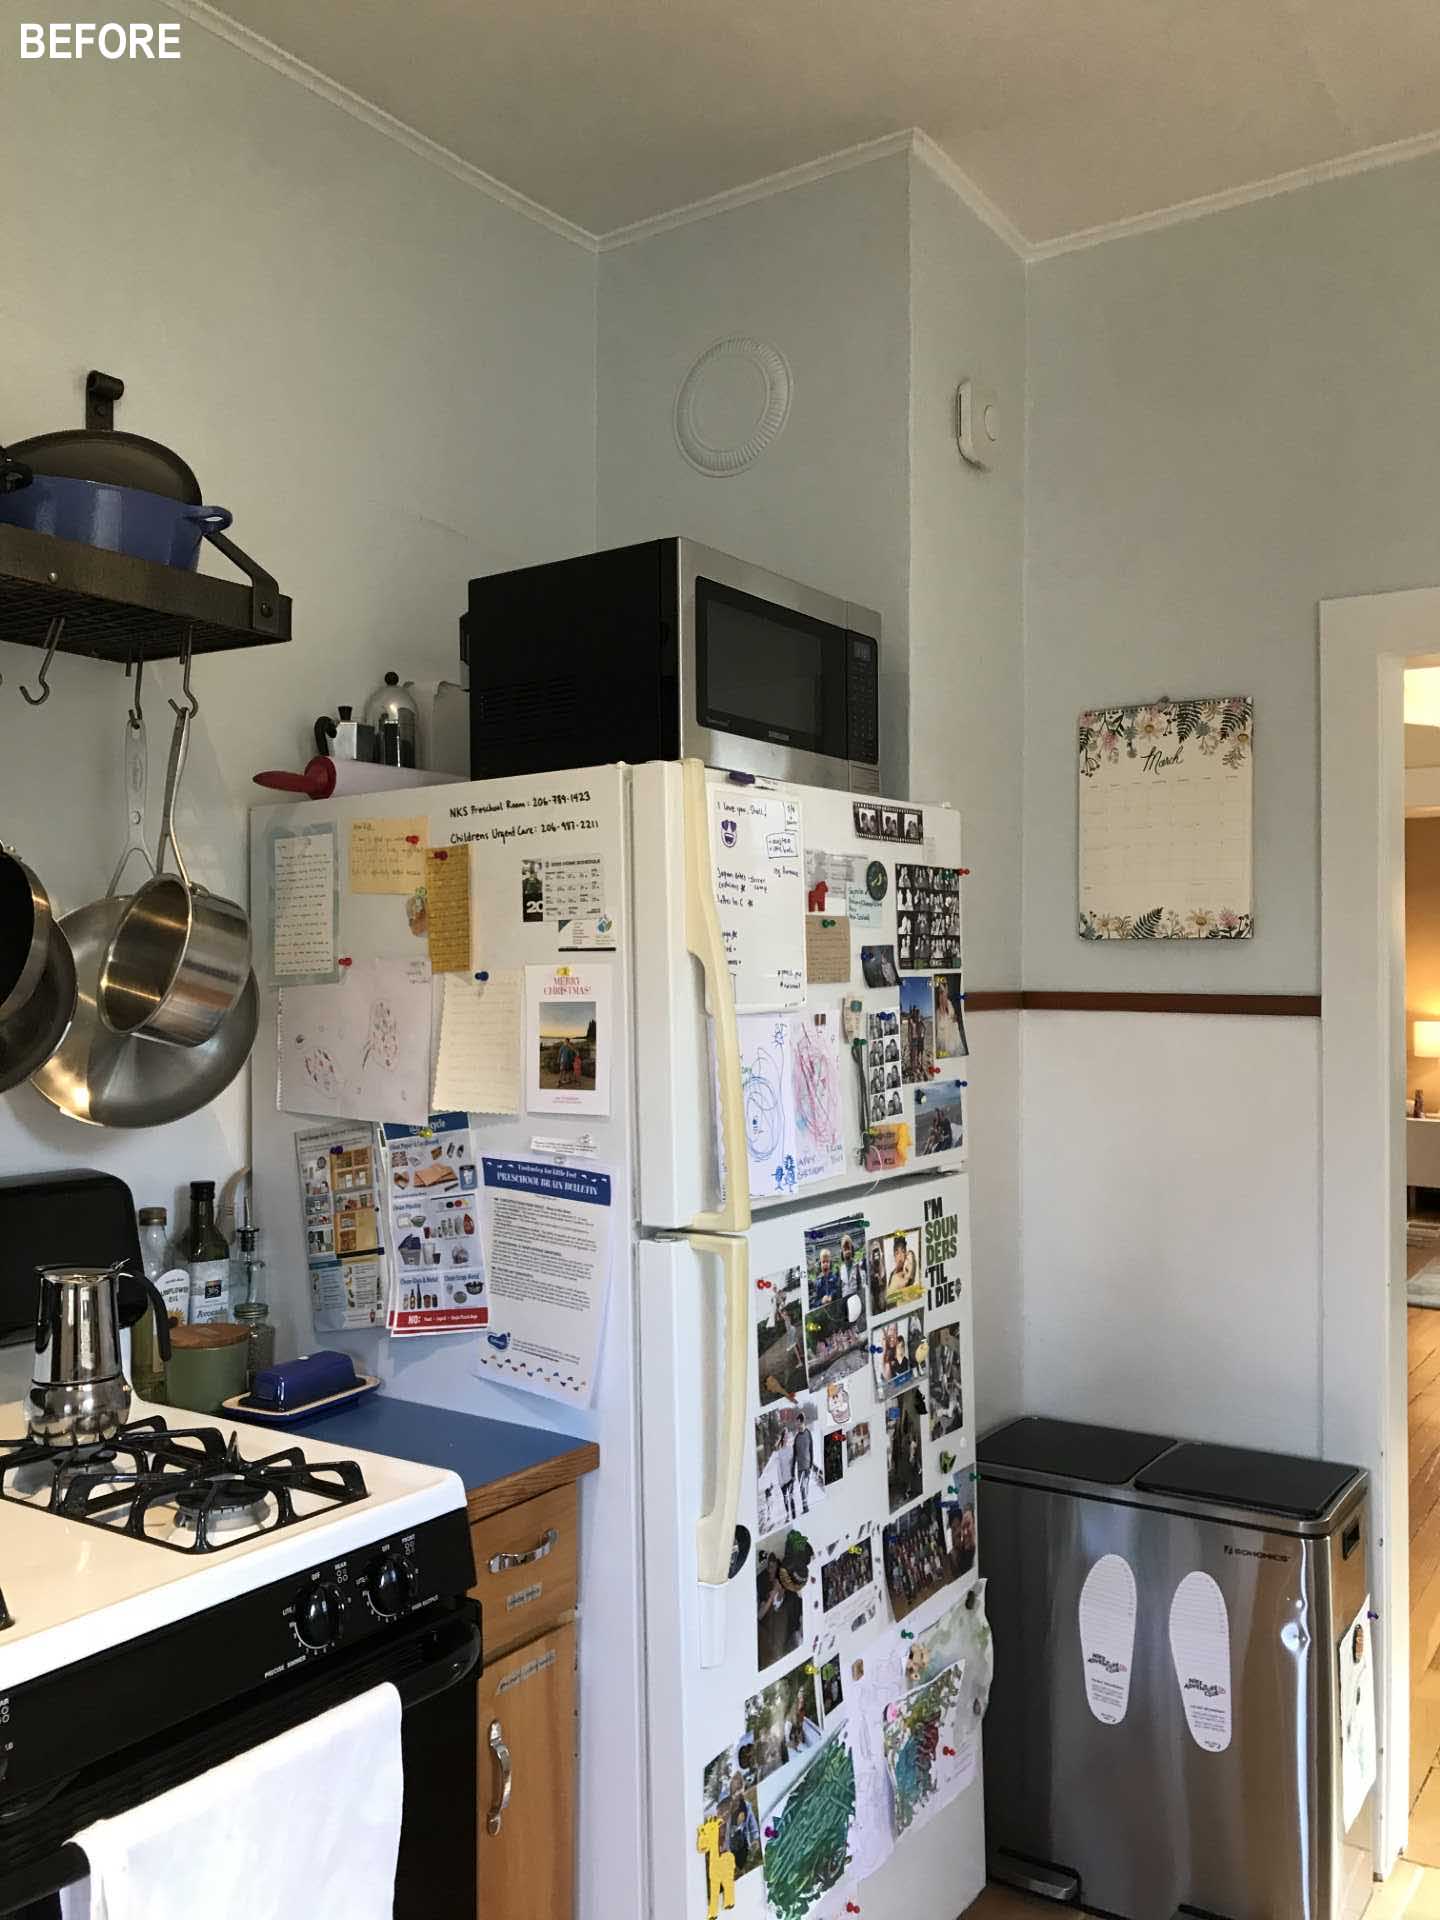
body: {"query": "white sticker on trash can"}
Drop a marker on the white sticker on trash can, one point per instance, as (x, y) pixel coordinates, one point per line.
(1107, 1637)
(1200, 1649)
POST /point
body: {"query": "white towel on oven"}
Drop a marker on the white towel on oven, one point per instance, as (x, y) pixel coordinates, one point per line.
(306, 1825)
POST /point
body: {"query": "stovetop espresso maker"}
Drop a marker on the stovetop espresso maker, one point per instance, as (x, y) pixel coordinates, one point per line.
(79, 1395)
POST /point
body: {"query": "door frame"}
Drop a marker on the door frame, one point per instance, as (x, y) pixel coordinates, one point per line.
(1366, 642)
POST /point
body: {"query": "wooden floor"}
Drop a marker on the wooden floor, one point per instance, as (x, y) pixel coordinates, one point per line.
(1411, 1893)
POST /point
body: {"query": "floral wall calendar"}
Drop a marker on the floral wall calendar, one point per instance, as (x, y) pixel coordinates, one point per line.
(1166, 820)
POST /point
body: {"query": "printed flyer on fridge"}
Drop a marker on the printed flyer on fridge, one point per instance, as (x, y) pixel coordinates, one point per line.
(437, 1280)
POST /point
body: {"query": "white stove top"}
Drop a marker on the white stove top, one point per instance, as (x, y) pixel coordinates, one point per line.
(74, 1589)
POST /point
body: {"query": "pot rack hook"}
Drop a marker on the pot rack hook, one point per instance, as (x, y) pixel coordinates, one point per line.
(185, 686)
(52, 640)
(136, 664)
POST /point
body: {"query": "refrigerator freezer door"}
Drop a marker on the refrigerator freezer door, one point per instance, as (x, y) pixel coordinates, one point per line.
(801, 1084)
(838, 1499)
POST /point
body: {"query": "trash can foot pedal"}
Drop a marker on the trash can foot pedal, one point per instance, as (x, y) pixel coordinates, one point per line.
(1035, 1876)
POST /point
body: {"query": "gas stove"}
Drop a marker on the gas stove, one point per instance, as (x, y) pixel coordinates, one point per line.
(189, 1489)
(292, 1576)
(233, 1511)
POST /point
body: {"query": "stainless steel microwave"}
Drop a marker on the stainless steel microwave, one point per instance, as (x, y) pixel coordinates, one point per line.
(669, 649)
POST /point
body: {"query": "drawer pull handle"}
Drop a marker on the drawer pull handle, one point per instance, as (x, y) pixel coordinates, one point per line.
(507, 1562)
(501, 1754)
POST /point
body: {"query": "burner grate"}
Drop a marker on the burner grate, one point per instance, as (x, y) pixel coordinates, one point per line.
(189, 1489)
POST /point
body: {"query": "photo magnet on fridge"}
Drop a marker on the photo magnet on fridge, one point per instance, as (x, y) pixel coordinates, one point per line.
(780, 1336)
(917, 1030)
(892, 1263)
(947, 1405)
(939, 1117)
(877, 964)
(899, 1354)
(782, 1573)
(950, 1041)
(904, 1447)
(730, 1821)
(789, 1465)
(782, 1721)
(917, 1562)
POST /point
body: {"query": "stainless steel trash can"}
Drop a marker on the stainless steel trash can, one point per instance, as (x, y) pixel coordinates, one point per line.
(1174, 1624)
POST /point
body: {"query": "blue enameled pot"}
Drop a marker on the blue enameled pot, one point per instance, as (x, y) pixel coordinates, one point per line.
(120, 519)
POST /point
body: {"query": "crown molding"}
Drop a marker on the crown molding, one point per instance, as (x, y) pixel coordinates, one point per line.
(964, 188)
(258, 48)
(764, 188)
(912, 140)
(1394, 153)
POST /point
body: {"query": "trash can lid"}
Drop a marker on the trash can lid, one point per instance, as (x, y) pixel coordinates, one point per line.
(1109, 1456)
(1279, 1483)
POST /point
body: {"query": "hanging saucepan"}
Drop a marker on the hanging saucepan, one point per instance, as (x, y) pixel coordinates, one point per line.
(179, 958)
(37, 974)
(111, 1079)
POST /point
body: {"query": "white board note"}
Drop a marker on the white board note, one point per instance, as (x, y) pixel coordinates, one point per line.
(1165, 821)
(302, 879)
(358, 1050)
(757, 855)
(477, 1067)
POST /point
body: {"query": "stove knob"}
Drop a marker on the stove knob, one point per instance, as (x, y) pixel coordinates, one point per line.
(317, 1617)
(390, 1584)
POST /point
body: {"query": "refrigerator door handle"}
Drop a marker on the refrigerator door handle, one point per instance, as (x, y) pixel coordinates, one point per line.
(715, 1533)
(703, 938)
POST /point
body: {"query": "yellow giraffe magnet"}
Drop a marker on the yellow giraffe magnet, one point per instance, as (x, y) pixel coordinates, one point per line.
(720, 1867)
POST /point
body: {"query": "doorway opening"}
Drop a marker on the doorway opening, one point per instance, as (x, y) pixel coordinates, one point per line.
(1422, 1251)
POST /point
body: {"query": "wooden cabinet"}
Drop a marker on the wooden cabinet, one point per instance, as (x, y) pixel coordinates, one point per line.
(526, 1569)
(527, 1554)
(526, 1841)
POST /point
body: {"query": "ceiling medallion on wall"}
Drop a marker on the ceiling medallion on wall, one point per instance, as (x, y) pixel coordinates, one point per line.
(732, 405)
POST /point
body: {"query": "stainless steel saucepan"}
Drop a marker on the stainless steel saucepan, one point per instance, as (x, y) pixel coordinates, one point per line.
(116, 1080)
(37, 974)
(179, 957)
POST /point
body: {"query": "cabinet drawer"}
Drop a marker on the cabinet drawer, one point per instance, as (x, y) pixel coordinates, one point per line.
(526, 1568)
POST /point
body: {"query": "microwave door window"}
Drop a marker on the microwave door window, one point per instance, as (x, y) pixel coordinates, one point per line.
(765, 675)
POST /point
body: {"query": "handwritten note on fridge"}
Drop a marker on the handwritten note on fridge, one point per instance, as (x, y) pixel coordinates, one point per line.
(759, 870)
(478, 1069)
(447, 908)
(388, 856)
(302, 880)
(359, 1050)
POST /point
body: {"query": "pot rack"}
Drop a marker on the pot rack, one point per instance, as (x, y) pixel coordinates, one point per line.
(111, 606)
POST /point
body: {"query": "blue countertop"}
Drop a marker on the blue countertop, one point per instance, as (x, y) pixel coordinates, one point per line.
(499, 1462)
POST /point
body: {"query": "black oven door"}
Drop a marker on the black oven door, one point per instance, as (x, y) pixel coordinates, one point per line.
(432, 1665)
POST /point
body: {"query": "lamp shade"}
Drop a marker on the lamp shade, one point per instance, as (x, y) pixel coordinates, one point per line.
(1426, 1044)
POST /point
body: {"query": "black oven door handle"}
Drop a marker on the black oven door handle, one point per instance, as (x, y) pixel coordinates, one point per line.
(416, 1688)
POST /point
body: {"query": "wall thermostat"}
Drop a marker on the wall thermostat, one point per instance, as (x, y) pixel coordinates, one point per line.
(977, 423)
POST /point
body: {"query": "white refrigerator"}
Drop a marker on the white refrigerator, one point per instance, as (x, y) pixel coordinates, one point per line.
(782, 1658)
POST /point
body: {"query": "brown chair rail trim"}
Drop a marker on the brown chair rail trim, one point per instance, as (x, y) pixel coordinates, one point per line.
(1294, 1006)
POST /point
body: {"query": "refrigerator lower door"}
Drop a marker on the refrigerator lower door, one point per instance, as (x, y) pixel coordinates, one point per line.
(694, 1091)
(713, 1651)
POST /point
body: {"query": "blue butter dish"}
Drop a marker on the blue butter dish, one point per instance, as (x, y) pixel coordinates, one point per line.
(297, 1389)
